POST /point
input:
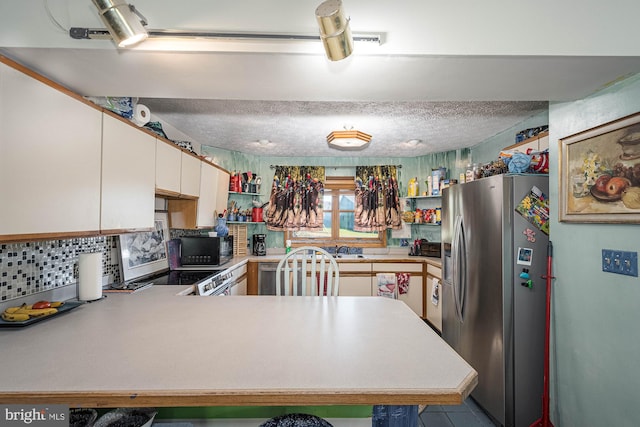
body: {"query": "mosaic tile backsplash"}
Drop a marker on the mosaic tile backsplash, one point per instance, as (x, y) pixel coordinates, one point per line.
(32, 267)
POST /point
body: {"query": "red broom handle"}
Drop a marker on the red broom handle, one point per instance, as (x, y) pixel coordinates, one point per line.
(545, 405)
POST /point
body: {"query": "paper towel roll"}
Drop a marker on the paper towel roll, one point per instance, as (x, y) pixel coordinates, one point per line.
(141, 115)
(90, 276)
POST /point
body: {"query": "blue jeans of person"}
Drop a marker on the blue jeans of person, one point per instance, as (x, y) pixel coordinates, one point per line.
(395, 416)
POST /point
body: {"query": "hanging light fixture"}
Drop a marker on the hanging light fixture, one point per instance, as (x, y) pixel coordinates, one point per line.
(334, 30)
(348, 140)
(126, 26)
(124, 22)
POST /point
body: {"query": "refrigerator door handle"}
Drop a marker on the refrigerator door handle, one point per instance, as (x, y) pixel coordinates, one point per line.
(455, 261)
(462, 290)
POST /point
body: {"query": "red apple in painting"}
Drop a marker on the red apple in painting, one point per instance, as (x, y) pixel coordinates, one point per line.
(601, 183)
(616, 185)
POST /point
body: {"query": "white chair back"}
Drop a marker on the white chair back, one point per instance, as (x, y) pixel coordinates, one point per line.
(303, 271)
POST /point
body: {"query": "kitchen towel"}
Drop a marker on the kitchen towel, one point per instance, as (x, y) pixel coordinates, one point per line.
(387, 286)
(141, 115)
(90, 276)
(435, 292)
(402, 280)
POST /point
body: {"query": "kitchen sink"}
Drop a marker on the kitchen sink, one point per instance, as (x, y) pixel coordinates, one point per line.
(349, 256)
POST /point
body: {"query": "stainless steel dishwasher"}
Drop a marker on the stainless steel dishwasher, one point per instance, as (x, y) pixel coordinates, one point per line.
(267, 279)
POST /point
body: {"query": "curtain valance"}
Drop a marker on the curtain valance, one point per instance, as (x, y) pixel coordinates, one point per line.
(377, 199)
(296, 199)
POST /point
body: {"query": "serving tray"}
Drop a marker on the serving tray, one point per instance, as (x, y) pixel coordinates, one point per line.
(67, 306)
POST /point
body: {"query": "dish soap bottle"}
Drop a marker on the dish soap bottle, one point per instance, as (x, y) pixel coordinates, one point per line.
(413, 187)
(287, 246)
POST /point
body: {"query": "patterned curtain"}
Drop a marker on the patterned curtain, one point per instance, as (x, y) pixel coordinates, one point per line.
(377, 200)
(296, 199)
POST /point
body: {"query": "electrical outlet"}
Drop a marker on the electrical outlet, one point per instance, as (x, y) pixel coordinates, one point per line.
(620, 262)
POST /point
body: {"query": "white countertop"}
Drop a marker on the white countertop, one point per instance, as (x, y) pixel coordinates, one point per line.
(153, 348)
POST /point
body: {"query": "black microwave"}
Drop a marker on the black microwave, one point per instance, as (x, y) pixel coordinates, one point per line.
(202, 250)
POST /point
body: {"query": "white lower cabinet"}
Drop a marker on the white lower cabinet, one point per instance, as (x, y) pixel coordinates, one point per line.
(433, 303)
(49, 159)
(128, 176)
(240, 276)
(359, 279)
(355, 279)
(413, 298)
(240, 288)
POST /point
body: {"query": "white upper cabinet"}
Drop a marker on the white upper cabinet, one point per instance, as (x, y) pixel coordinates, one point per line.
(128, 176)
(49, 159)
(222, 191)
(168, 168)
(207, 200)
(190, 175)
(177, 173)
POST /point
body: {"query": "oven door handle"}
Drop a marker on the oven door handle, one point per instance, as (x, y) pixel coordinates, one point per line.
(223, 288)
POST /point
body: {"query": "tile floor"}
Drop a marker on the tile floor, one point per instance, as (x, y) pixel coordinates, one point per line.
(468, 414)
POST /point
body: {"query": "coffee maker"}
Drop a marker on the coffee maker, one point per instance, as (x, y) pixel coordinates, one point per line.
(260, 244)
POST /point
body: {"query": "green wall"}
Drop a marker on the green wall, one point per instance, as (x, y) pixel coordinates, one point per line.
(489, 149)
(419, 167)
(596, 339)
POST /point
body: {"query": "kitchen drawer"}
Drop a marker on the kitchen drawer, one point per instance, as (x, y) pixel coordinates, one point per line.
(434, 271)
(354, 267)
(397, 267)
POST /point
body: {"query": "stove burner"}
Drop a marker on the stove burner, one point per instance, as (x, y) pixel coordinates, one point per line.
(180, 277)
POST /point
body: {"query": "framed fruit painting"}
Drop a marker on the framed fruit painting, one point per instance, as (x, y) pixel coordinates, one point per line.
(600, 173)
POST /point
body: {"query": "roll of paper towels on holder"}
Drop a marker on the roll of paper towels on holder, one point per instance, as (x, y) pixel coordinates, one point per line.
(141, 115)
(90, 276)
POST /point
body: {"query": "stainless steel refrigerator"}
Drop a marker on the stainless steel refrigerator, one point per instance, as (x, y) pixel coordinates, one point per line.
(493, 300)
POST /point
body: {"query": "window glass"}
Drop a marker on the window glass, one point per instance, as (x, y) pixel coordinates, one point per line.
(347, 201)
(338, 220)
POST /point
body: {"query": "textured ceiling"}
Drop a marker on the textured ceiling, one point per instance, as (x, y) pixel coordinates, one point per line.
(300, 128)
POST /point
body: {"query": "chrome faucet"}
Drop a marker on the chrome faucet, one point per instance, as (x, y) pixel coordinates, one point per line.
(338, 248)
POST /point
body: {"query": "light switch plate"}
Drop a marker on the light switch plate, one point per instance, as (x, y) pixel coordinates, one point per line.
(620, 262)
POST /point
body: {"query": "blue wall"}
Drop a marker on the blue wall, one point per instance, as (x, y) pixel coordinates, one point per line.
(596, 340)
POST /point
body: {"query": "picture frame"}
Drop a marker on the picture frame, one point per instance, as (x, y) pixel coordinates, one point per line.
(144, 253)
(599, 173)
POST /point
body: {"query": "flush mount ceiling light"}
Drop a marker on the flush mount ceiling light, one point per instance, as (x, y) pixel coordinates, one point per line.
(348, 140)
(123, 22)
(264, 142)
(414, 142)
(334, 30)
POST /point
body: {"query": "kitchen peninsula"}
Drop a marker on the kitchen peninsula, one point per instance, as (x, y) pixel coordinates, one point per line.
(154, 348)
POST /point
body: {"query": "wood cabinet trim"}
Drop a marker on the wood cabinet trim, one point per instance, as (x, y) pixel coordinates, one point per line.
(528, 140)
(17, 238)
(42, 79)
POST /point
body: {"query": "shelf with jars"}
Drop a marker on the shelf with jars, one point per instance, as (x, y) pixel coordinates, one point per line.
(423, 210)
(240, 193)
